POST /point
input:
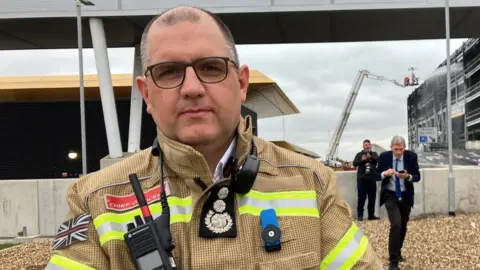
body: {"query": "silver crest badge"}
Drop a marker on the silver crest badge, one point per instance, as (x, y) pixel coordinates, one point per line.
(223, 193)
(215, 220)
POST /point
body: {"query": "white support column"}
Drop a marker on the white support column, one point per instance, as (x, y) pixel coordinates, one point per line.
(136, 106)
(106, 87)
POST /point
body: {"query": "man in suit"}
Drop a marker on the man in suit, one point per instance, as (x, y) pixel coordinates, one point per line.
(398, 170)
(366, 161)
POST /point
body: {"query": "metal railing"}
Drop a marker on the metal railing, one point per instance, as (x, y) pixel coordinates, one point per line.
(459, 99)
(473, 114)
(466, 46)
(473, 66)
(457, 77)
(474, 89)
(470, 43)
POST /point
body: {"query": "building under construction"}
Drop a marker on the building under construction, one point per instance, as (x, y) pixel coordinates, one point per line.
(427, 105)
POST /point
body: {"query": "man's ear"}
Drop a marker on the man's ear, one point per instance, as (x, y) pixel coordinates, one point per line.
(143, 88)
(243, 78)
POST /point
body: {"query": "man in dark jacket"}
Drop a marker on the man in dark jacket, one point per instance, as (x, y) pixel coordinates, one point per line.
(398, 170)
(366, 161)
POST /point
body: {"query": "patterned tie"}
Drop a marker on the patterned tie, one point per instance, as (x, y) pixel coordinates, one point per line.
(398, 190)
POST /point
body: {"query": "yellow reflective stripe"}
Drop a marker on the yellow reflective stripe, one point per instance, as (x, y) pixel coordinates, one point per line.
(255, 211)
(339, 247)
(155, 208)
(113, 226)
(111, 235)
(357, 254)
(285, 203)
(347, 252)
(60, 262)
(302, 194)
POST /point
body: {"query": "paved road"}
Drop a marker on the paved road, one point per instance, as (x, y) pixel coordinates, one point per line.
(439, 159)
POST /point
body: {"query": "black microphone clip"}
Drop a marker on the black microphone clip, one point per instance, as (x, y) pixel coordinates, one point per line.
(245, 176)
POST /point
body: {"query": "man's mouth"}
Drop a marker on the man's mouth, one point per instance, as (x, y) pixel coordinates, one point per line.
(196, 113)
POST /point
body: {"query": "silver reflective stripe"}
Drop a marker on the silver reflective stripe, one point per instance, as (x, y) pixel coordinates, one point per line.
(117, 227)
(346, 252)
(277, 203)
(122, 227)
(51, 266)
(112, 226)
(182, 210)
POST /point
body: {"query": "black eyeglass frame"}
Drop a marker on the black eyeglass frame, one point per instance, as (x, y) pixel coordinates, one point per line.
(190, 64)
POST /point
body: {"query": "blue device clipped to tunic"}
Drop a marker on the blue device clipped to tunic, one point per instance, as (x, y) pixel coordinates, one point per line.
(271, 233)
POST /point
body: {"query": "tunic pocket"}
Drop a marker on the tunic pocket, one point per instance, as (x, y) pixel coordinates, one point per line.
(302, 261)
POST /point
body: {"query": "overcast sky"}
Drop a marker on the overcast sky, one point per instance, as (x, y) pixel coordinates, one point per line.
(316, 77)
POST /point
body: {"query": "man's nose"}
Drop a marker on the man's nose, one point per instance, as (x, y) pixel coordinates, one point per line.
(192, 86)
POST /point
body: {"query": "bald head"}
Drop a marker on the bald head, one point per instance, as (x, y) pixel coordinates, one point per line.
(192, 15)
(181, 14)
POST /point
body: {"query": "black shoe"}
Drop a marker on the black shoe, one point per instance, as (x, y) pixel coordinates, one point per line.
(360, 218)
(373, 218)
(393, 266)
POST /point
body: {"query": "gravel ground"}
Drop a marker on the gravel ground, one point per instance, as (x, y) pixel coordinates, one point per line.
(33, 255)
(431, 243)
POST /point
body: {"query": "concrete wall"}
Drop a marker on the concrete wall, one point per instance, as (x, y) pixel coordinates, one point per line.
(40, 204)
(473, 145)
(431, 193)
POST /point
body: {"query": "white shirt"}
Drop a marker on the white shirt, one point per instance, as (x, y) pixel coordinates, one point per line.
(391, 184)
(218, 175)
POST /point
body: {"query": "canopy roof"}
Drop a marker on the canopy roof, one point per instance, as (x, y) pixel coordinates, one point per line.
(264, 95)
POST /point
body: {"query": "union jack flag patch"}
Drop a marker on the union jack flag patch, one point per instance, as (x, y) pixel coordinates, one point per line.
(72, 231)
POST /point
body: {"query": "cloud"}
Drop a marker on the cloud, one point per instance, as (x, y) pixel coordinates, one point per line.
(316, 77)
(319, 77)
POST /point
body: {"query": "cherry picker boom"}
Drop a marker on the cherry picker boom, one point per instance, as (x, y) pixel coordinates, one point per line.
(352, 96)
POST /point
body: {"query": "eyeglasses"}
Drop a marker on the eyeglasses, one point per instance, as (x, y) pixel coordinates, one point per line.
(169, 75)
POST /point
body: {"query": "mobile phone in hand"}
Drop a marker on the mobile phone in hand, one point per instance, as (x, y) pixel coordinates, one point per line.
(402, 171)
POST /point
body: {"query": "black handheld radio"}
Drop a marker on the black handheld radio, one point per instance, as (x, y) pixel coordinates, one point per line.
(150, 243)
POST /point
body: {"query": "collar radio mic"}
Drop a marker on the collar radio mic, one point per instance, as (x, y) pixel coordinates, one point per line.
(149, 240)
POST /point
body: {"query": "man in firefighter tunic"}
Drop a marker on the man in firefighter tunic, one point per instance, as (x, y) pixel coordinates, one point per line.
(194, 87)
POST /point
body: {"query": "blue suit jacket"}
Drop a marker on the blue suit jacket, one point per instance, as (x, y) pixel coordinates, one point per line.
(410, 161)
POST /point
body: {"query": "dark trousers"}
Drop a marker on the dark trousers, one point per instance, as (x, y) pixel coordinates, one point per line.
(366, 188)
(398, 215)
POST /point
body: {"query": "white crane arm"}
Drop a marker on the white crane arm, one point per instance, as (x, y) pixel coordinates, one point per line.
(352, 96)
(332, 151)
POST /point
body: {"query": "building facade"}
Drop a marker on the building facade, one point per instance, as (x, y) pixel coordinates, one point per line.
(427, 105)
(40, 122)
